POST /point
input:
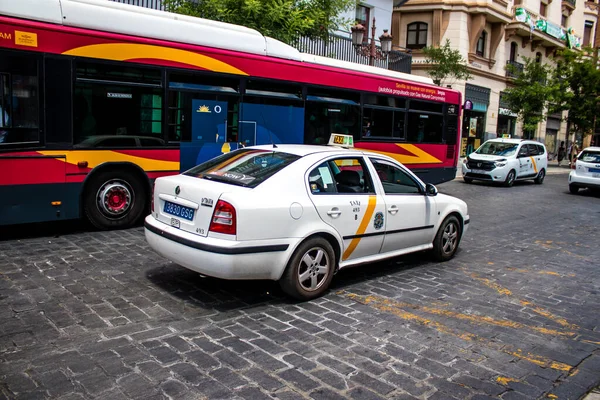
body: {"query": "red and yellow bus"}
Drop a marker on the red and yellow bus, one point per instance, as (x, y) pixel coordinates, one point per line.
(99, 98)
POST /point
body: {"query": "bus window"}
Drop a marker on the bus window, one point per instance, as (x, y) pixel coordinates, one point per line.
(425, 127)
(378, 122)
(121, 101)
(19, 98)
(322, 118)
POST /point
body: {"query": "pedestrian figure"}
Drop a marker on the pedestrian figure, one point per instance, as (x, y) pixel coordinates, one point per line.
(561, 152)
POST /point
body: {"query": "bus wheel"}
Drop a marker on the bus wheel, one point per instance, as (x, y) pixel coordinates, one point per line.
(114, 200)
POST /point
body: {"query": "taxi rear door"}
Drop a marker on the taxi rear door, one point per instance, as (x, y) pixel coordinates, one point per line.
(342, 191)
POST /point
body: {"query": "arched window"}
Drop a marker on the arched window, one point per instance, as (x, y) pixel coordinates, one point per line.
(480, 51)
(416, 35)
(513, 51)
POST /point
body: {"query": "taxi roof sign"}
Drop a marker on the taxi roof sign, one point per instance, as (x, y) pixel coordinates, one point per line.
(337, 139)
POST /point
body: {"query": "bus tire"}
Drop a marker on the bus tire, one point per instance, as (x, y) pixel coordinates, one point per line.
(114, 200)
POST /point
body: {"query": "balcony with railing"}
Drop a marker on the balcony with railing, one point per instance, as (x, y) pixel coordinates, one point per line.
(514, 69)
(569, 4)
(340, 47)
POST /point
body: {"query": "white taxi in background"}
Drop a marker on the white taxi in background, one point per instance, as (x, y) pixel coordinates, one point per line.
(298, 213)
(586, 170)
(506, 161)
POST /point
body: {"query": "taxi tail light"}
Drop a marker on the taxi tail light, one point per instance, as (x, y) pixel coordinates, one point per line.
(223, 219)
(574, 165)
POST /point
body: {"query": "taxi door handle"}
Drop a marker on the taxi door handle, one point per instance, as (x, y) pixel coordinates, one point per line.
(334, 212)
(393, 210)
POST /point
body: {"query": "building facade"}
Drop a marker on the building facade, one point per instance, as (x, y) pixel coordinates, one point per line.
(491, 34)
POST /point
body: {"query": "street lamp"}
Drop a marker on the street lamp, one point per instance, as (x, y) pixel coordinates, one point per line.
(370, 50)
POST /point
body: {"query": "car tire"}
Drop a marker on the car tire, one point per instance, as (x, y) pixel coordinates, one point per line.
(114, 200)
(447, 239)
(573, 189)
(510, 178)
(317, 275)
(540, 178)
(468, 180)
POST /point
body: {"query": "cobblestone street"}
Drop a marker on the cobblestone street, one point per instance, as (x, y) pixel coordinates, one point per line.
(515, 315)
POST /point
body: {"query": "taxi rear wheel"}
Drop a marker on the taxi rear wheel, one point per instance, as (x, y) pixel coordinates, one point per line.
(540, 178)
(310, 270)
(447, 239)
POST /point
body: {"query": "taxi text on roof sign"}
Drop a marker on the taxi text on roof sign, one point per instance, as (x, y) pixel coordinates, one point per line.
(337, 139)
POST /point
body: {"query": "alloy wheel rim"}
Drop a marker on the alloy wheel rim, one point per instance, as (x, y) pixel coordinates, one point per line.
(314, 268)
(449, 238)
(114, 199)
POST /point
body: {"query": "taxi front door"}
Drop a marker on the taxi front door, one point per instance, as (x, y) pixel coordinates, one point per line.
(345, 199)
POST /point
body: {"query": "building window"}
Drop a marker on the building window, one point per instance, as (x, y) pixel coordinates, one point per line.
(543, 9)
(416, 35)
(513, 51)
(538, 57)
(363, 14)
(480, 51)
(564, 20)
(587, 33)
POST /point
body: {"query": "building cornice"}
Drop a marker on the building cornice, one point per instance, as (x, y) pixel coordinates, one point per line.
(495, 10)
(474, 71)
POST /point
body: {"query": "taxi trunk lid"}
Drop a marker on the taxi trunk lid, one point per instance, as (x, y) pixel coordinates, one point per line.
(187, 202)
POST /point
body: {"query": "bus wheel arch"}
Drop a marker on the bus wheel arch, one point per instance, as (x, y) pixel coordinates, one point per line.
(115, 195)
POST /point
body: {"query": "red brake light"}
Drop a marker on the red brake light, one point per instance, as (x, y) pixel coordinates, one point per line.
(223, 219)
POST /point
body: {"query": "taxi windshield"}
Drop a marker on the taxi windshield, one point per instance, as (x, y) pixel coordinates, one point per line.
(497, 149)
(246, 168)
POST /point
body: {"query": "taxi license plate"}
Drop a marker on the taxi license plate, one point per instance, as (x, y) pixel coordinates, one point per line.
(179, 211)
(478, 171)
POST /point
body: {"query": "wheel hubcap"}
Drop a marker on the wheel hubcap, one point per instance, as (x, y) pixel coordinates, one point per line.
(450, 238)
(313, 269)
(114, 199)
(511, 177)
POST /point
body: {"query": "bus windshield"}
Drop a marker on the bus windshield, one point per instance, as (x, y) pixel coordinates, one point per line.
(497, 149)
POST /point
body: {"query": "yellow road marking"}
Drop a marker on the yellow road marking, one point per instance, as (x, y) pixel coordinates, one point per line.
(539, 310)
(504, 380)
(590, 342)
(364, 223)
(393, 307)
(526, 271)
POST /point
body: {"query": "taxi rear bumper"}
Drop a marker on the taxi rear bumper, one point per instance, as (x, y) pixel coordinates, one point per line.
(225, 259)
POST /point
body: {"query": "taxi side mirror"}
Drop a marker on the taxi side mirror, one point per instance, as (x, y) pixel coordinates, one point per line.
(430, 190)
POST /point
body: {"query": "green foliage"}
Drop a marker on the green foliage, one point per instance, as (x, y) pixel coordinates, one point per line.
(531, 92)
(284, 20)
(577, 89)
(446, 63)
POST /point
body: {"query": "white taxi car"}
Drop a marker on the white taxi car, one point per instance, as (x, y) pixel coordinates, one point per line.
(506, 161)
(586, 170)
(297, 214)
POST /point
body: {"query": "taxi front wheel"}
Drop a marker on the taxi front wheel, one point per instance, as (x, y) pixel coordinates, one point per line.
(310, 270)
(447, 239)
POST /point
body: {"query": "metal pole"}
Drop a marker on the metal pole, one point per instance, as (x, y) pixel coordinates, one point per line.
(373, 50)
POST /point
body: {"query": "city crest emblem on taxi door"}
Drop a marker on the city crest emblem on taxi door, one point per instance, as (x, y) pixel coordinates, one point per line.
(378, 221)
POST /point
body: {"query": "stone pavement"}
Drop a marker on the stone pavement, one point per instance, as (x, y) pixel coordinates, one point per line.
(515, 315)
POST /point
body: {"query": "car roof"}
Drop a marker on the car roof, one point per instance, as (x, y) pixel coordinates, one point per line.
(303, 149)
(592, 148)
(514, 141)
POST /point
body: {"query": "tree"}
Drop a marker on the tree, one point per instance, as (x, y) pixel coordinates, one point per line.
(445, 63)
(530, 92)
(577, 89)
(285, 20)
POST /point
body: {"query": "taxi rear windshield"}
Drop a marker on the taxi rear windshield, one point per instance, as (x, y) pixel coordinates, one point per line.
(246, 168)
(590, 156)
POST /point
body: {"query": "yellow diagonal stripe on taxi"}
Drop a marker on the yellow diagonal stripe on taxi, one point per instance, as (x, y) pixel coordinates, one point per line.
(534, 165)
(364, 223)
(97, 157)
